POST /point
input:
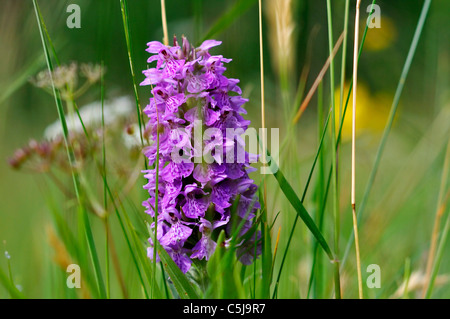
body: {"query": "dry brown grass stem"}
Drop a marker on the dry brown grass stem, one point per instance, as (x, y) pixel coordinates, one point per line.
(318, 80)
(442, 200)
(164, 22)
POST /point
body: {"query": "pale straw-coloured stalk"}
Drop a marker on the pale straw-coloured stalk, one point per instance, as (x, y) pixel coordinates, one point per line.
(387, 129)
(437, 221)
(164, 22)
(263, 111)
(353, 192)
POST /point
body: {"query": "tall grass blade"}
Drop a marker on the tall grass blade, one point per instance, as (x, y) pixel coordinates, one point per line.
(334, 164)
(239, 8)
(319, 150)
(353, 157)
(393, 111)
(439, 256)
(71, 157)
(126, 27)
(344, 56)
(441, 207)
(181, 283)
(6, 282)
(300, 209)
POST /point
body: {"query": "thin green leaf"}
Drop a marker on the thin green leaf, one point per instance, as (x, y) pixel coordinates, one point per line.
(181, 283)
(301, 210)
(393, 111)
(239, 8)
(13, 291)
(126, 27)
(71, 157)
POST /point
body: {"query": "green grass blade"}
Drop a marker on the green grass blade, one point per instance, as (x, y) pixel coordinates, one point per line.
(126, 27)
(147, 266)
(291, 234)
(181, 283)
(406, 277)
(155, 238)
(198, 20)
(105, 194)
(156, 292)
(319, 150)
(301, 210)
(334, 164)
(13, 291)
(223, 272)
(439, 255)
(316, 257)
(127, 238)
(387, 129)
(22, 78)
(266, 261)
(71, 157)
(239, 8)
(344, 56)
(93, 252)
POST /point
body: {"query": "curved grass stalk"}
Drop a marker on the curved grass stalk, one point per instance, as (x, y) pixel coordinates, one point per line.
(126, 27)
(387, 129)
(439, 255)
(316, 158)
(344, 56)
(164, 22)
(335, 184)
(353, 190)
(84, 219)
(439, 214)
(263, 111)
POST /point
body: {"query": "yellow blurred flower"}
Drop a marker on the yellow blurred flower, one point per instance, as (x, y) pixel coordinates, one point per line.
(372, 111)
(379, 38)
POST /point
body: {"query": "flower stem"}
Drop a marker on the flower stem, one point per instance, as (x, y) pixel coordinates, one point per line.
(164, 22)
(337, 281)
(353, 191)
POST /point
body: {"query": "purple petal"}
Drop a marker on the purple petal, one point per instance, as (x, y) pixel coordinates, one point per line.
(204, 248)
(153, 76)
(176, 236)
(197, 83)
(173, 102)
(155, 47)
(208, 44)
(172, 67)
(181, 259)
(196, 204)
(202, 173)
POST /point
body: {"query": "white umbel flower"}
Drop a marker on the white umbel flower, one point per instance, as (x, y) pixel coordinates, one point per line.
(91, 114)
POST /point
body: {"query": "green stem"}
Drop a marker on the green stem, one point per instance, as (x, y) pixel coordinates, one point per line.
(439, 255)
(388, 126)
(72, 161)
(344, 56)
(337, 284)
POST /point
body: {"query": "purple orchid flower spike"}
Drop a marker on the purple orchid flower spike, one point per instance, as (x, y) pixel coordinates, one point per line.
(195, 198)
